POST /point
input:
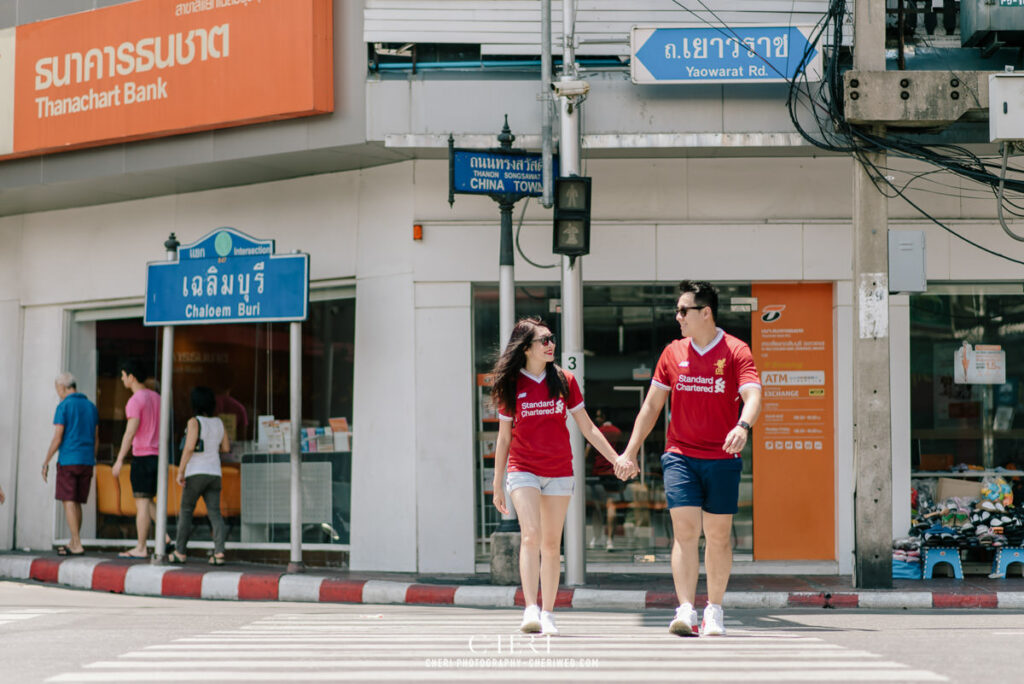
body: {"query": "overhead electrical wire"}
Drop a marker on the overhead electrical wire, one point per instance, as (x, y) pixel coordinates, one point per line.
(816, 111)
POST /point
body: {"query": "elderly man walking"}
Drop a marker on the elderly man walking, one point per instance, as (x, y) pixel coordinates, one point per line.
(75, 436)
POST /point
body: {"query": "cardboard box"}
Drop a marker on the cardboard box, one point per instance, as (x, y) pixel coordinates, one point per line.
(951, 486)
(936, 461)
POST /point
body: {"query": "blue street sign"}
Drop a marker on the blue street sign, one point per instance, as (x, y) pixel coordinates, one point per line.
(489, 173)
(227, 277)
(744, 54)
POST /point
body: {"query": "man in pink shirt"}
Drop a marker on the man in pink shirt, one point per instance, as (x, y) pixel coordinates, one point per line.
(142, 436)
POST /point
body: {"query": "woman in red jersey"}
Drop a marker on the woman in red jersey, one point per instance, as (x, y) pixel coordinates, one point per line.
(533, 396)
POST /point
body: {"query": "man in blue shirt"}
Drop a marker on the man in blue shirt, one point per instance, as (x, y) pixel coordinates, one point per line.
(76, 435)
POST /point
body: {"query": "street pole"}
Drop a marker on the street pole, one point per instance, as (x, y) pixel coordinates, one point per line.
(295, 382)
(506, 298)
(546, 104)
(166, 399)
(872, 429)
(572, 310)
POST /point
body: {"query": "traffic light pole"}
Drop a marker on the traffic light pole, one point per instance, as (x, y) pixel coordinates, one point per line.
(572, 311)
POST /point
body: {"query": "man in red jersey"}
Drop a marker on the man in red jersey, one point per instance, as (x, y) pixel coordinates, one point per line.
(706, 373)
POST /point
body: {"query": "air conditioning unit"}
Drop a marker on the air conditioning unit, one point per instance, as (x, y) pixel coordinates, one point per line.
(991, 24)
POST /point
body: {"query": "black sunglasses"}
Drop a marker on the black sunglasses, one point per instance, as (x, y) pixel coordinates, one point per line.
(683, 310)
(544, 340)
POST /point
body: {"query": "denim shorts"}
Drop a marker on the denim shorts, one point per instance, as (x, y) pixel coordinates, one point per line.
(548, 486)
(712, 484)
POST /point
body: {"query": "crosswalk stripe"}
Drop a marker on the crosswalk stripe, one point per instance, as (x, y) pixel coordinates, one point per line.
(498, 675)
(317, 647)
(12, 615)
(379, 664)
(389, 653)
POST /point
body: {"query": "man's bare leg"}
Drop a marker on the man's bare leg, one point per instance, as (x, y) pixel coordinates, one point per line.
(717, 554)
(685, 559)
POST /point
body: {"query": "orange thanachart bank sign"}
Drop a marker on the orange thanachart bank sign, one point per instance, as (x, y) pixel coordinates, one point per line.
(794, 439)
(152, 68)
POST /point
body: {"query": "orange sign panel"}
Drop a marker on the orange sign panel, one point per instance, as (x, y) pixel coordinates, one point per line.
(158, 67)
(794, 444)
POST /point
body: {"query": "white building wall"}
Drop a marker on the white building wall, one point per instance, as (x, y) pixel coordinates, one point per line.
(899, 411)
(10, 370)
(842, 318)
(41, 360)
(445, 391)
(413, 489)
(384, 417)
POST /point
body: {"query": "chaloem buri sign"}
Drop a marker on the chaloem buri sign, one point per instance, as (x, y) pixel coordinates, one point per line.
(227, 277)
(152, 68)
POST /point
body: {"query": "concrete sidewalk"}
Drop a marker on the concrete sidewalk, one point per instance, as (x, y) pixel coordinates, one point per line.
(629, 592)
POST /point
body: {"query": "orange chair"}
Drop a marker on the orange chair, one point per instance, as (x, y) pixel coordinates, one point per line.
(174, 496)
(231, 491)
(108, 492)
(127, 499)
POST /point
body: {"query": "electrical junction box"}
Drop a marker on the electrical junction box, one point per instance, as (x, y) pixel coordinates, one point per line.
(1006, 106)
(907, 261)
(991, 24)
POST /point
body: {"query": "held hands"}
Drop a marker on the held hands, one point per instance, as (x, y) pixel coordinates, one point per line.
(625, 467)
(735, 440)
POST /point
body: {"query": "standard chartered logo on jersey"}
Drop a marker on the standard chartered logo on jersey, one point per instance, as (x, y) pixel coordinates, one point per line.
(700, 383)
(542, 408)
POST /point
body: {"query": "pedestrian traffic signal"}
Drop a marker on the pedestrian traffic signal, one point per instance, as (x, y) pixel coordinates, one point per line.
(572, 216)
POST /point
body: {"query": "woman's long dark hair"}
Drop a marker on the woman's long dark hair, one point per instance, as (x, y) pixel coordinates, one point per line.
(204, 402)
(506, 369)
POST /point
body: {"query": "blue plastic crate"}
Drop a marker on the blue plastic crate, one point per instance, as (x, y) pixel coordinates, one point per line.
(906, 570)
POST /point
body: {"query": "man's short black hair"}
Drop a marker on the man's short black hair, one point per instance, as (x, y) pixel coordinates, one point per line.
(134, 367)
(704, 294)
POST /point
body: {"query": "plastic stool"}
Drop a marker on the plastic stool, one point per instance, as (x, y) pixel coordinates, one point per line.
(1005, 556)
(934, 555)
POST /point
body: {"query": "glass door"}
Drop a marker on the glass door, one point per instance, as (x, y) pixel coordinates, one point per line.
(625, 329)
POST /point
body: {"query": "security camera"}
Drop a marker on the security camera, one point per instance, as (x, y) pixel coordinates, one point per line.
(570, 88)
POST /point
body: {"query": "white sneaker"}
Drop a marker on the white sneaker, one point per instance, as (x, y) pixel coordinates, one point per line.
(547, 623)
(531, 620)
(713, 624)
(685, 621)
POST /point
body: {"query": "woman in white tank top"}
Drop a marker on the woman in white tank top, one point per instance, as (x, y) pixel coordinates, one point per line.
(199, 474)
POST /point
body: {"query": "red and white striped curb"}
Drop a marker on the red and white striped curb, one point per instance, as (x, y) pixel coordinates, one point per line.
(143, 579)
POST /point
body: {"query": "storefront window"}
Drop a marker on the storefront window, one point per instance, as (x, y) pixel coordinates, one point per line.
(625, 328)
(967, 361)
(247, 366)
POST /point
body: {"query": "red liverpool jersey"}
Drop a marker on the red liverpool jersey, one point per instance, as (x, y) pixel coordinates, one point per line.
(540, 439)
(705, 386)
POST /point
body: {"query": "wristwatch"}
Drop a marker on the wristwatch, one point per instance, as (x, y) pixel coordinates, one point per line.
(744, 424)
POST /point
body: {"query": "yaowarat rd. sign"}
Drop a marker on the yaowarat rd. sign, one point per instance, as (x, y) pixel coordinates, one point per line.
(152, 68)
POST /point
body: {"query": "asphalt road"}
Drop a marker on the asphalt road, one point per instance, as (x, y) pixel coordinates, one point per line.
(51, 634)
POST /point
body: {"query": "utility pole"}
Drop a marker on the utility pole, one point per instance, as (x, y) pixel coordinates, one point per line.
(872, 434)
(572, 302)
(166, 402)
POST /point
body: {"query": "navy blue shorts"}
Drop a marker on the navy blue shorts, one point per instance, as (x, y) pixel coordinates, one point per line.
(711, 484)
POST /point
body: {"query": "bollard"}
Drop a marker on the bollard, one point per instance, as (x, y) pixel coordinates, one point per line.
(505, 558)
